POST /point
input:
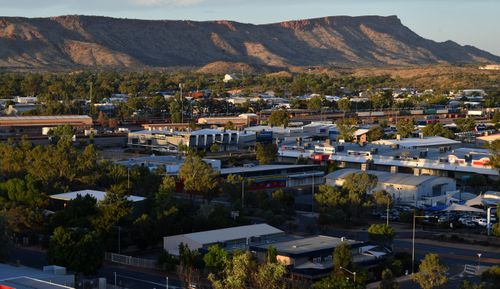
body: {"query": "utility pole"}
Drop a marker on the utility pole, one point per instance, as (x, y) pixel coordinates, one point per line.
(167, 282)
(182, 104)
(119, 240)
(388, 202)
(242, 193)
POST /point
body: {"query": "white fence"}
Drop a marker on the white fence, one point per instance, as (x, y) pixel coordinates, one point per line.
(131, 261)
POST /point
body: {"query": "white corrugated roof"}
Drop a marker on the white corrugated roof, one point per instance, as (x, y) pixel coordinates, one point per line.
(98, 195)
(418, 142)
(234, 233)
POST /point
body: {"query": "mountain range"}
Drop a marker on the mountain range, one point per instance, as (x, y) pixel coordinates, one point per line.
(78, 42)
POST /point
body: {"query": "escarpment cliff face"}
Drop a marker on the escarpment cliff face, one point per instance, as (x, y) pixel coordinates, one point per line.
(72, 42)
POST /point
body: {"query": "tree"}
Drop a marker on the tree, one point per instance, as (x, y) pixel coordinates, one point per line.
(437, 129)
(279, 118)
(387, 281)
(347, 127)
(405, 127)
(102, 120)
(344, 105)
(315, 103)
(494, 148)
(198, 176)
(215, 258)
(465, 124)
(76, 249)
(375, 133)
(164, 203)
(112, 209)
(496, 227)
(284, 198)
(265, 153)
(432, 273)
(5, 240)
(214, 148)
(381, 233)
(237, 272)
(269, 275)
(336, 282)
(187, 265)
(271, 254)
(342, 258)
(382, 100)
(229, 125)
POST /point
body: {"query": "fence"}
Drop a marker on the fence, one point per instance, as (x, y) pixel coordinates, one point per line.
(131, 261)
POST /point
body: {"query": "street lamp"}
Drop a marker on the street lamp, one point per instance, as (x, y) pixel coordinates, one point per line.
(350, 272)
(478, 262)
(413, 242)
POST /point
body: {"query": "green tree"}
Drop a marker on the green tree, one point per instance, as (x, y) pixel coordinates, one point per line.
(405, 127)
(381, 233)
(164, 202)
(5, 240)
(187, 265)
(375, 133)
(342, 258)
(237, 272)
(465, 124)
(382, 100)
(315, 103)
(215, 258)
(387, 281)
(494, 148)
(279, 117)
(344, 105)
(437, 129)
(76, 249)
(265, 153)
(269, 275)
(198, 176)
(347, 127)
(214, 148)
(336, 282)
(432, 273)
(271, 254)
(496, 227)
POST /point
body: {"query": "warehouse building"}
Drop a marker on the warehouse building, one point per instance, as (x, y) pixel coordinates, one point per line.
(33, 125)
(404, 188)
(234, 238)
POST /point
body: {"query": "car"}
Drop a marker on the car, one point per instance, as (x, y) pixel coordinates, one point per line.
(482, 222)
(469, 224)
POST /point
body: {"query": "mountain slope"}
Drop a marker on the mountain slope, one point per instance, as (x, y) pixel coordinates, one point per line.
(88, 41)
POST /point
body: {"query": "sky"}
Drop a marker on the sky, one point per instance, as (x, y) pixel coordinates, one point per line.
(471, 22)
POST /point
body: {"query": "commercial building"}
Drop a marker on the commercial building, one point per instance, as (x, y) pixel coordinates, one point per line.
(311, 257)
(277, 176)
(235, 238)
(20, 277)
(444, 161)
(404, 188)
(170, 164)
(33, 125)
(227, 140)
(241, 121)
(413, 143)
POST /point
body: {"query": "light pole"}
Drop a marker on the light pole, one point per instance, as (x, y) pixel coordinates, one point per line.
(167, 282)
(478, 262)
(387, 221)
(350, 272)
(182, 104)
(119, 240)
(242, 193)
(413, 243)
(312, 196)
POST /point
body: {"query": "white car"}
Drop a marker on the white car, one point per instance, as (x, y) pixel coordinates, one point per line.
(482, 222)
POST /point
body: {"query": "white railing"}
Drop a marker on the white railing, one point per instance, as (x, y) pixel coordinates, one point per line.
(131, 261)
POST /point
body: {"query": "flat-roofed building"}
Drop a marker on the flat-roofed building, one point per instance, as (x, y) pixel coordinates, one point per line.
(171, 164)
(311, 257)
(241, 121)
(404, 188)
(431, 141)
(203, 139)
(33, 124)
(229, 238)
(20, 277)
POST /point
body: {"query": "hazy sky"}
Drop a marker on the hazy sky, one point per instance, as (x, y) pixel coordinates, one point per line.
(474, 22)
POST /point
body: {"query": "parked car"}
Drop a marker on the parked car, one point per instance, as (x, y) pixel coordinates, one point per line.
(482, 222)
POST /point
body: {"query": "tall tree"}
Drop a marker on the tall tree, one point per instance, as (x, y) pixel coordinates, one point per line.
(236, 274)
(215, 258)
(405, 127)
(494, 148)
(265, 153)
(198, 176)
(465, 124)
(347, 127)
(279, 118)
(342, 258)
(432, 273)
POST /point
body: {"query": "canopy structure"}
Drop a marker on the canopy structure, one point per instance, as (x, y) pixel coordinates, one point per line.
(481, 200)
(462, 208)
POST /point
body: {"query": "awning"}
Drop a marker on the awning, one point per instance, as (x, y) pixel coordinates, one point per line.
(462, 208)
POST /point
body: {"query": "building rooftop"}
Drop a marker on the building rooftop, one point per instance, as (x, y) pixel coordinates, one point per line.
(29, 278)
(309, 244)
(98, 195)
(233, 233)
(418, 142)
(236, 170)
(386, 177)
